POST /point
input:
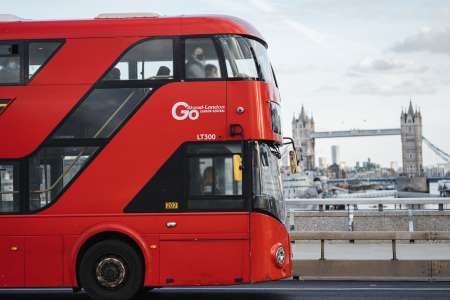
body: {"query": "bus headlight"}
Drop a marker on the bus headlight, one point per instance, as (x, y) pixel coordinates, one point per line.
(280, 256)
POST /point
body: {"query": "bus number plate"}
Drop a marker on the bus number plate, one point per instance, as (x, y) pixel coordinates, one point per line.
(206, 136)
(171, 205)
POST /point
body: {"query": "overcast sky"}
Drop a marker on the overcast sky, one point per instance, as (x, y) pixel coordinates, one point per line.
(352, 63)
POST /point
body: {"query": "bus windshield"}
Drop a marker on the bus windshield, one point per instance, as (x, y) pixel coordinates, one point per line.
(267, 182)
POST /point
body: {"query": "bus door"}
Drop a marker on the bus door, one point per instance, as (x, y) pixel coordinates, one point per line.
(207, 243)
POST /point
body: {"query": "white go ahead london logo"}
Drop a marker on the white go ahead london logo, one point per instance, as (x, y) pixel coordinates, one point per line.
(186, 112)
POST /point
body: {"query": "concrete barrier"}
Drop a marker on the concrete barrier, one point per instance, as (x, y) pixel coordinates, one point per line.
(393, 269)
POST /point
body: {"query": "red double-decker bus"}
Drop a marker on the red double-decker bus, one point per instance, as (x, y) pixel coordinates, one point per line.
(139, 152)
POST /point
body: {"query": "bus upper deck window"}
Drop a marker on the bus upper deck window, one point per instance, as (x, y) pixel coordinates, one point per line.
(39, 53)
(9, 63)
(201, 60)
(149, 60)
(263, 61)
(239, 57)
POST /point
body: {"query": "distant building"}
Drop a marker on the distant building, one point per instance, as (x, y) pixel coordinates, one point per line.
(302, 129)
(411, 133)
(323, 163)
(336, 172)
(335, 154)
(436, 171)
(369, 165)
(393, 165)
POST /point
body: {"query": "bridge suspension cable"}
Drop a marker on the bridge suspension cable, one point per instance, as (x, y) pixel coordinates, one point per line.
(439, 152)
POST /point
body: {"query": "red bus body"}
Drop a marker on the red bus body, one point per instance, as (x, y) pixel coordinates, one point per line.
(41, 249)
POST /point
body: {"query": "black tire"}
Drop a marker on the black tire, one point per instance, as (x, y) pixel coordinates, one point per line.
(111, 259)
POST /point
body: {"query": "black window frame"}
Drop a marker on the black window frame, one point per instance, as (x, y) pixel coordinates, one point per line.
(247, 178)
(24, 58)
(194, 197)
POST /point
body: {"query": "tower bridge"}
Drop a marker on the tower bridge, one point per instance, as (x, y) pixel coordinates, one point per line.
(355, 133)
(303, 131)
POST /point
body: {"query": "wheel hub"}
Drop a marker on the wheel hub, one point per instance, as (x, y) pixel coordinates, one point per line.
(111, 272)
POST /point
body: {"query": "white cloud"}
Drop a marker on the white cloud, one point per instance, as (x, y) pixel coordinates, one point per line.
(306, 31)
(426, 39)
(409, 87)
(444, 12)
(385, 65)
(263, 5)
(327, 89)
(294, 68)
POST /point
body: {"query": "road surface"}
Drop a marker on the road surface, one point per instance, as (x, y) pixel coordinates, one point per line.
(283, 290)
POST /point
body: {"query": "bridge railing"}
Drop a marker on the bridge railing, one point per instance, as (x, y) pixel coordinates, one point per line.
(300, 204)
(408, 213)
(394, 269)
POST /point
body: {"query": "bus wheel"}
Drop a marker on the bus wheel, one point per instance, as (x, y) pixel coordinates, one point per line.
(111, 270)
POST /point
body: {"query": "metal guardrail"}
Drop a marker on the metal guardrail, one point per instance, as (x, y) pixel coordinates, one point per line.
(296, 202)
(352, 201)
(394, 236)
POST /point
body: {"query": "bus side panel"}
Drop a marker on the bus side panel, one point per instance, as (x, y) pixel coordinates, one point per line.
(12, 261)
(204, 248)
(69, 271)
(266, 232)
(44, 261)
(209, 262)
(153, 266)
(34, 112)
(256, 119)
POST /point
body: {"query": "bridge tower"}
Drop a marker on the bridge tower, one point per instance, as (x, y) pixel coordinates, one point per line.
(302, 130)
(411, 134)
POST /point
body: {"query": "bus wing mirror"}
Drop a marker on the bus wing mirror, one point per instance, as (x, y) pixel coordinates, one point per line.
(237, 167)
(293, 163)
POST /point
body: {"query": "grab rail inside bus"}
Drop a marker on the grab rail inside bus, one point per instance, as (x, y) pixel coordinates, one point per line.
(8, 192)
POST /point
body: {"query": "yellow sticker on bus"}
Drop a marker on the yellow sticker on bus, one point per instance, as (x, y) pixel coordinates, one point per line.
(171, 205)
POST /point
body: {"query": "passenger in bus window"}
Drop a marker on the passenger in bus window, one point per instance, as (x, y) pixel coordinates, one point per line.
(211, 71)
(163, 71)
(207, 181)
(9, 70)
(114, 74)
(195, 65)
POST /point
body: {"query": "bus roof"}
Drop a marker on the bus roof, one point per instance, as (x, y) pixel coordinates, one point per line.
(114, 26)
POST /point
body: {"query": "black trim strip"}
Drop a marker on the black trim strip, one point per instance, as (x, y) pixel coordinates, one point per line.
(221, 57)
(68, 142)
